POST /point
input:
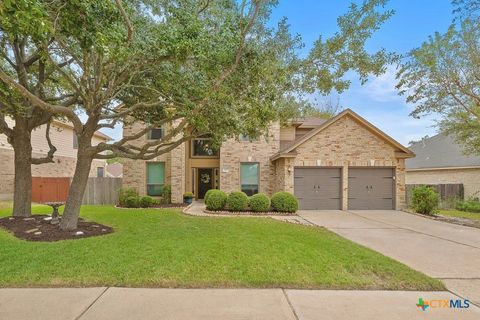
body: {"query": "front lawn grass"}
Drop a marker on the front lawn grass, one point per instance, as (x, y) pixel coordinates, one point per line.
(165, 248)
(459, 214)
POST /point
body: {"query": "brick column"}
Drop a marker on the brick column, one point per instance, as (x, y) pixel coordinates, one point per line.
(178, 173)
(345, 187)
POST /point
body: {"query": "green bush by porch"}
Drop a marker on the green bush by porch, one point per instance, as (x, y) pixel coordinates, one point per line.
(163, 248)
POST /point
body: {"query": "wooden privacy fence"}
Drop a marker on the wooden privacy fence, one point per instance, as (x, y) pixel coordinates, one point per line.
(47, 189)
(449, 193)
(98, 190)
(102, 190)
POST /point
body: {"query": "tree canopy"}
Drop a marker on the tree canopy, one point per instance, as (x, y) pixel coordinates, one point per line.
(204, 67)
(443, 76)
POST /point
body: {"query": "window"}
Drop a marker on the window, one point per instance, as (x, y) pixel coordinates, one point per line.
(202, 148)
(249, 178)
(100, 172)
(75, 141)
(156, 133)
(155, 178)
(246, 138)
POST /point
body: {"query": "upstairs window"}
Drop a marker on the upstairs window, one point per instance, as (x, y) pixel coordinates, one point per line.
(155, 178)
(246, 138)
(100, 172)
(155, 133)
(249, 173)
(203, 148)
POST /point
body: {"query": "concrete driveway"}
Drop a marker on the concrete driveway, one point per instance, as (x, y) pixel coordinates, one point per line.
(441, 250)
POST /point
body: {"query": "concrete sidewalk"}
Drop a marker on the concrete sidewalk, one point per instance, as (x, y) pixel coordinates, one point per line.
(275, 304)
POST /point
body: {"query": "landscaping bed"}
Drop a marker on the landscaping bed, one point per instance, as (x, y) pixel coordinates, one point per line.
(250, 213)
(165, 248)
(39, 228)
(158, 206)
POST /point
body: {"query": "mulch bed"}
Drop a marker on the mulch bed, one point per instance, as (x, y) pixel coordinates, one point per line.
(39, 228)
(159, 206)
(249, 213)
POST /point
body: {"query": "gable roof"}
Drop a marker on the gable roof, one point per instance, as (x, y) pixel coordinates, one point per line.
(347, 112)
(440, 151)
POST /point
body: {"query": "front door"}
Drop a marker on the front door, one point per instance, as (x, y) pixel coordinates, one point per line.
(205, 181)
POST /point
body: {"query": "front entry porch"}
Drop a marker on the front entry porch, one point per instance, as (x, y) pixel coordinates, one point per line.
(204, 179)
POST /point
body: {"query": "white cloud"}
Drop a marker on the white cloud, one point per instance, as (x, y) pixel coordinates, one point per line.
(382, 88)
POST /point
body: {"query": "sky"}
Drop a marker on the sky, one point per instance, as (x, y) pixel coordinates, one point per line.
(378, 100)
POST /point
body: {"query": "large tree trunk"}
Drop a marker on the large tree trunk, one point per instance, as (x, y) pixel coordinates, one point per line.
(22, 147)
(77, 189)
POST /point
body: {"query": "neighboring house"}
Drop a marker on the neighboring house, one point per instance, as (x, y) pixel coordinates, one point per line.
(114, 170)
(440, 160)
(63, 138)
(341, 163)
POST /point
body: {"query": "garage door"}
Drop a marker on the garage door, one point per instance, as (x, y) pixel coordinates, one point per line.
(371, 188)
(318, 188)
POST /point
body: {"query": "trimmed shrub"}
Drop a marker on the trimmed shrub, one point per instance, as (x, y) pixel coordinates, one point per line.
(237, 201)
(259, 202)
(132, 202)
(424, 200)
(125, 193)
(216, 200)
(146, 202)
(205, 197)
(284, 202)
(167, 194)
(469, 206)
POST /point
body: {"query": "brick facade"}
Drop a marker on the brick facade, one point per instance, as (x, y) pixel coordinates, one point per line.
(348, 143)
(344, 143)
(233, 153)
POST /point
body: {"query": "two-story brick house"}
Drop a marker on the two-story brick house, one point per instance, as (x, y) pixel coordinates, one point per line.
(341, 163)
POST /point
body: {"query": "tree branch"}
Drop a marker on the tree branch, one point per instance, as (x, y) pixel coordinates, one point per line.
(37, 102)
(49, 157)
(125, 19)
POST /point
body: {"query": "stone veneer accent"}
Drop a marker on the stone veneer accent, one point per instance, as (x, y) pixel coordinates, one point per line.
(348, 143)
(62, 167)
(233, 153)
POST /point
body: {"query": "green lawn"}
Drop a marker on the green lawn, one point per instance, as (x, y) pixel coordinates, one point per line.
(164, 248)
(460, 214)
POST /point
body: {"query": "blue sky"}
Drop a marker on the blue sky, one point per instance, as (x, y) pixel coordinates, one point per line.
(378, 100)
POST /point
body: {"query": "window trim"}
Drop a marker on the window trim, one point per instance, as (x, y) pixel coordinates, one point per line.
(149, 133)
(258, 174)
(247, 138)
(217, 156)
(146, 177)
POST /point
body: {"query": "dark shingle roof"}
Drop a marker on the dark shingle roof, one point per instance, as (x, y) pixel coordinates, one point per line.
(312, 122)
(438, 152)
